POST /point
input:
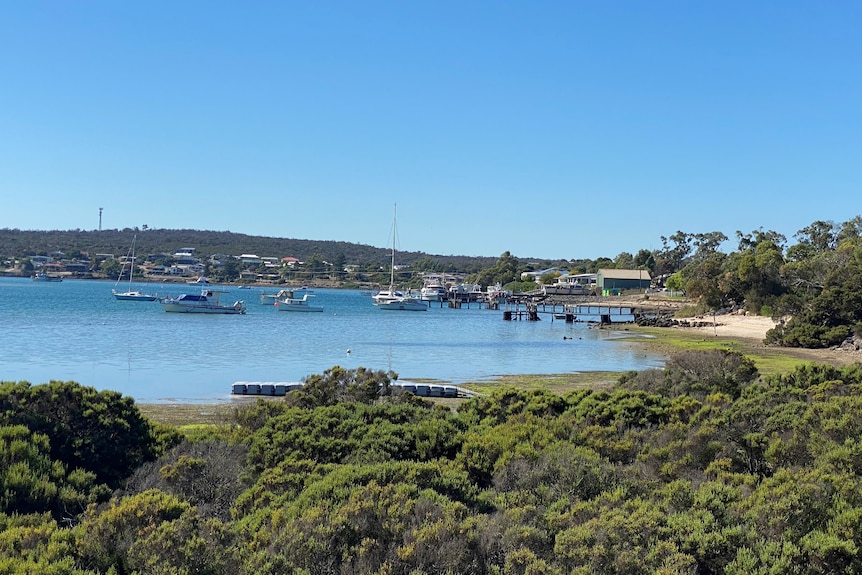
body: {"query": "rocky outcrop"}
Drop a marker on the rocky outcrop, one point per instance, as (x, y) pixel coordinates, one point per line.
(669, 321)
(852, 343)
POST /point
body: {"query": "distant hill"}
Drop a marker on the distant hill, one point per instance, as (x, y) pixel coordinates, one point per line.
(17, 243)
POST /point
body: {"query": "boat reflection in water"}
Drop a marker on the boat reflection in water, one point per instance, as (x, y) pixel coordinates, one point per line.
(207, 302)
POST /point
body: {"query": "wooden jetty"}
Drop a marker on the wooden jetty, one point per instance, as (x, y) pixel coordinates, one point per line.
(463, 300)
(535, 306)
(590, 309)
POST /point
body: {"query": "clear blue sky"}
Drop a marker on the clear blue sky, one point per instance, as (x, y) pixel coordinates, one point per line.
(549, 129)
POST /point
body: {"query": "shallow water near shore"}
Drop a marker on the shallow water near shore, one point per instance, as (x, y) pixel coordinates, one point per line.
(76, 330)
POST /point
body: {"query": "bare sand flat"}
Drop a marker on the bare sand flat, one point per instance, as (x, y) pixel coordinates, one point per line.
(735, 325)
(752, 328)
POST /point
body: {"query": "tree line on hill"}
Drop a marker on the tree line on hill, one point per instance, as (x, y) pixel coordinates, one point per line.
(19, 243)
(702, 468)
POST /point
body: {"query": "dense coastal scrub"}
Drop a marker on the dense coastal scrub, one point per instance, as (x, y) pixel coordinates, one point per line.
(703, 467)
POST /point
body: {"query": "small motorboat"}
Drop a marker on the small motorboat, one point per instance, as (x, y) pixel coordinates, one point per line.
(201, 281)
(297, 304)
(207, 302)
(44, 277)
(402, 303)
(270, 298)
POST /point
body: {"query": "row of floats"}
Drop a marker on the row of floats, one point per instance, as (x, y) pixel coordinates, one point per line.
(267, 388)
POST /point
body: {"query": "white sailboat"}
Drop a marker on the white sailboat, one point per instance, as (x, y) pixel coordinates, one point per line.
(130, 294)
(393, 299)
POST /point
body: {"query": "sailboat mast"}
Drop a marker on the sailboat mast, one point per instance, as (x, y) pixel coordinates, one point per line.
(394, 233)
(132, 262)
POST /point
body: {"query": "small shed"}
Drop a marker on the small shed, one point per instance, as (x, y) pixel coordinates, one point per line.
(611, 281)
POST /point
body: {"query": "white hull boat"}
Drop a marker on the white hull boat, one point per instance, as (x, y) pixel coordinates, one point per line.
(403, 304)
(201, 281)
(43, 277)
(271, 298)
(207, 302)
(134, 296)
(433, 292)
(386, 295)
(297, 304)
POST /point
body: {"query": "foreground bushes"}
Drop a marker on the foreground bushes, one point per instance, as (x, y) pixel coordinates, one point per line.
(699, 468)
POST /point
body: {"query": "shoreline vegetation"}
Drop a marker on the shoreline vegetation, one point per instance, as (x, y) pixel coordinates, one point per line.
(737, 332)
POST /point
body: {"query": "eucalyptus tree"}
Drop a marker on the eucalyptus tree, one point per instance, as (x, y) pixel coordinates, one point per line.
(624, 261)
(230, 270)
(850, 229)
(830, 309)
(645, 259)
(506, 270)
(111, 267)
(703, 272)
(600, 263)
(755, 273)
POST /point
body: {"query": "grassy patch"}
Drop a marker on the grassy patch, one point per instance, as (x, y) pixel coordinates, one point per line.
(187, 416)
(561, 383)
(769, 360)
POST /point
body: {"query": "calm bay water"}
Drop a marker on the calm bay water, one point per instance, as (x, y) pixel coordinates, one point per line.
(76, 330)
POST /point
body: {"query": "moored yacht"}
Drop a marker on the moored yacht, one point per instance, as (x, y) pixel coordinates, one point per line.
(403, 303)
(134, 295)
(201, 281)
(299, 304)
(393, 299)
(207, 302)
(130, 294)
(433, 292)
(45, 277)
(270, 298)
(385, 295)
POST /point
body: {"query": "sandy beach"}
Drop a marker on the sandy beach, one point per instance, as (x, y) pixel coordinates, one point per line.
(735, 325)
(752, 328)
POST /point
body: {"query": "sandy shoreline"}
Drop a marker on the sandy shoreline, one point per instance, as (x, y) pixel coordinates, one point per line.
(752, 329)
(735, 325)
